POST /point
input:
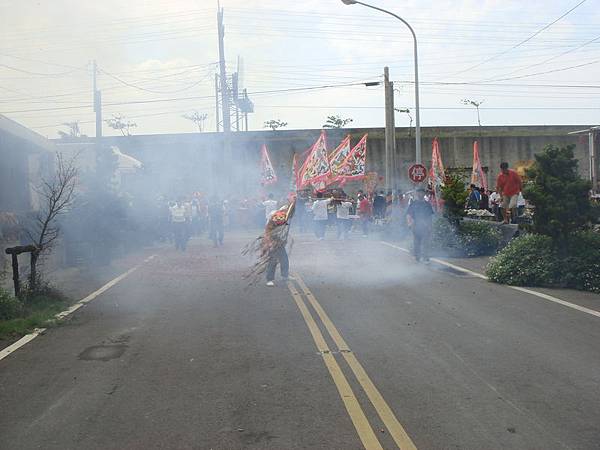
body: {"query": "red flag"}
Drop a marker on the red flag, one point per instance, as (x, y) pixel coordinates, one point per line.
(477, 176)
(353, 167)
(436, 173)
(267, 172)
(316, 167)
(337, 158)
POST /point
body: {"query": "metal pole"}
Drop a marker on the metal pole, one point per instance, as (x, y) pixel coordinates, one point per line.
(417, 118)
(97, 102)
(592, 149)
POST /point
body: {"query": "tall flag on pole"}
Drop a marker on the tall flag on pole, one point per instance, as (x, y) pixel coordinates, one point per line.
(316, 167)
(353, 167)
(294, 178)
(337, 158)
(477, 176)
(267, 172)
(436, 173)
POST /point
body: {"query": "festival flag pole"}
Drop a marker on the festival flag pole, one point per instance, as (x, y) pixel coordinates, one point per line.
(436, 173)
(354, 165)
(337, 158)
(268, 175)
(477, 176)
(316, 168)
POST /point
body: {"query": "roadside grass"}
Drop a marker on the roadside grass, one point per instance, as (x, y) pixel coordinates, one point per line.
(34, 310)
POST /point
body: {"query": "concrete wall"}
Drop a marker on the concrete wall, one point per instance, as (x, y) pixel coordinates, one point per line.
(180, 162)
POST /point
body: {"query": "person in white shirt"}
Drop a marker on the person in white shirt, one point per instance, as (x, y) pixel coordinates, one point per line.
(495, 200)
(343, 218)
(270, 207)
(319, 209)
(521, 203)
(178, 223)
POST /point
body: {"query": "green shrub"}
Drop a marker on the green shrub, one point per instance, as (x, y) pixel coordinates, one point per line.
(10, 307)
(470, 238)
(529, 260)
(559, 194)
(581, 268)
(444, 238)
(479, 238)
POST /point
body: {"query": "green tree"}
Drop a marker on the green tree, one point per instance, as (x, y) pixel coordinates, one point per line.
(121, 123)
(274, 124)
(336, 122)
(454, 194)
(559, 194)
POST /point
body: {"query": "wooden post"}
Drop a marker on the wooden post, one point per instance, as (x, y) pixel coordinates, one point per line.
(15, 269)
(15, 252)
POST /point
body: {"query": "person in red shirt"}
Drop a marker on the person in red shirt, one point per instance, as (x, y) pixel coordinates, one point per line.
(508, 185)
(364, 211)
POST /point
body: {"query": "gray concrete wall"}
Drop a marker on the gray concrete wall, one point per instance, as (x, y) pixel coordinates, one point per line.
(180, 162)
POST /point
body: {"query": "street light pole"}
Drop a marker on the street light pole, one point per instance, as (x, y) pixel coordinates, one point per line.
(417, 109)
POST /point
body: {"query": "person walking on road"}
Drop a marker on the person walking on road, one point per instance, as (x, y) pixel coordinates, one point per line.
(420, 219)
(508, 185)
(364, 211)
(319, 209)
(216, 213)
(271, 246)
(343, 218)
(179, 225)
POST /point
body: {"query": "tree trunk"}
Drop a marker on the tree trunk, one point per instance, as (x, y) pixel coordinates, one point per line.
(33, 278)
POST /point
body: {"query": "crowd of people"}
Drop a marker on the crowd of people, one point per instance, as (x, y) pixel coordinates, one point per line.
(332, 209)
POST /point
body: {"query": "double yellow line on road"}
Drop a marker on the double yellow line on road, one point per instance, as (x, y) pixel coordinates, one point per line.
(357, 415)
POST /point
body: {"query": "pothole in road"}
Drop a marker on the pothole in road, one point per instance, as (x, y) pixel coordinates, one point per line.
(102, 352)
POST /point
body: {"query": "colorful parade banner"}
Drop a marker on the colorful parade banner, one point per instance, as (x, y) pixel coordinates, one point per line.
(267, 172)
(316, 167)
(477, 176)
(353, 167)
(436, 173)
(337, 158)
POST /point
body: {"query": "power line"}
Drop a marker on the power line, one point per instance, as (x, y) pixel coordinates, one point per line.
(547, 71)
(555, 57)
(491, 58)
(16, 69)
(150, 90)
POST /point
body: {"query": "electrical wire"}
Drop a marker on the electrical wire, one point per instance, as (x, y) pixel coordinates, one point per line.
(524, 41)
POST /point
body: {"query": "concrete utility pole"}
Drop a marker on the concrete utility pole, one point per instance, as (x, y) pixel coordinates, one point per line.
(217, 115)
(228, 171)
(593, 159)
(390, 132)
(225, 105)
(417, 109)
(97, 101)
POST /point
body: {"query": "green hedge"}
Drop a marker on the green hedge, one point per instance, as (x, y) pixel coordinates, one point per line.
(529, 260)
(533, 260)
(10, 307)
(470, 238)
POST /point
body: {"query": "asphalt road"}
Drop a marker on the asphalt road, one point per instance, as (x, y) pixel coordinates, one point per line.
(364, 349)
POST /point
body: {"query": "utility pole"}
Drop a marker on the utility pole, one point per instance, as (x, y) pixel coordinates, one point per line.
(390, 132)
(228, 171)
(245, 111)
(217, 115)
(97, 101)
(225, 105)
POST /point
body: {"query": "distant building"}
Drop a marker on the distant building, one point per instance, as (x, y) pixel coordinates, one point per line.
(25, 157)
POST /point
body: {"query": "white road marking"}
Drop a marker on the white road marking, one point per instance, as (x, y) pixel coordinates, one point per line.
(516, 288)
(20, 343)
(30, 337)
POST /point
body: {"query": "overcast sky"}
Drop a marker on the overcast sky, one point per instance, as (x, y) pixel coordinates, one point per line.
(158, 60)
